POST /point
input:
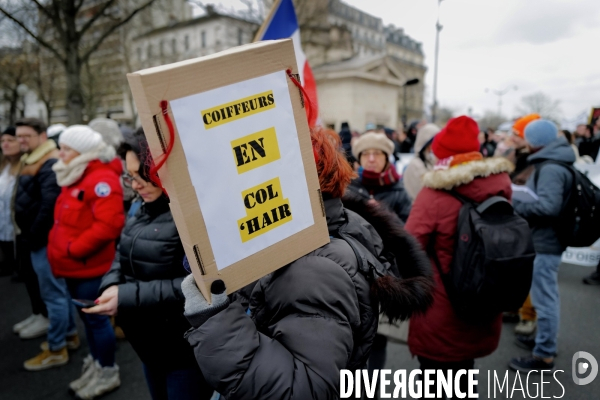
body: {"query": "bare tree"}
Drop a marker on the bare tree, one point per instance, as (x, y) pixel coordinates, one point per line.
(15, 66)
(44, 75)
(490, 119)
(76, 29)
(540, 103)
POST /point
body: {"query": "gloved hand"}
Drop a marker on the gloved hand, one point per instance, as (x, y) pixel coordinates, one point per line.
(197, 309)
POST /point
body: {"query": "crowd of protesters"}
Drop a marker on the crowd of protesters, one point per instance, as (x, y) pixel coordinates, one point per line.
(90, 233)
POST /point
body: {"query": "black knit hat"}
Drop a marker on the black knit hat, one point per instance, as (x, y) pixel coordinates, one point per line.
(10, 131)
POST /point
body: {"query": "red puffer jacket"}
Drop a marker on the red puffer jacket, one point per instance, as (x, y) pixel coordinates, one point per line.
(439, 334)
(88, 218)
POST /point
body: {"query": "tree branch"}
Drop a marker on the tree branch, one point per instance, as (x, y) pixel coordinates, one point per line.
(95, 17)
(113, 28)
(33, 35)
(44, 10)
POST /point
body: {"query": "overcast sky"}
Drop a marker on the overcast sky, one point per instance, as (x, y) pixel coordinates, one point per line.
(551, 46)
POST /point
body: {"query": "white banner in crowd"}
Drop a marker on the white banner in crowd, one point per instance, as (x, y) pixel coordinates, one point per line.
(585, 256)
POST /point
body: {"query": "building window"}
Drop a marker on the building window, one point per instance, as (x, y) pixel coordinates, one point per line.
(203, 39)
(162, 48)
(186, 42)
(240, 36)
(149, 51)
(174, 46)
(139, 53)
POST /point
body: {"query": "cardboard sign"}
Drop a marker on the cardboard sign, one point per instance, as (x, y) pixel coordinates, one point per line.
(241, 179)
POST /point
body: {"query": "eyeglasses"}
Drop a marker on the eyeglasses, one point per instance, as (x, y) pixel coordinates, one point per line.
(26, 136)
(128, 180)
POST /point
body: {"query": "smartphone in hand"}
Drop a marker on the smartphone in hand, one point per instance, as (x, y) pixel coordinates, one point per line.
(83, 303)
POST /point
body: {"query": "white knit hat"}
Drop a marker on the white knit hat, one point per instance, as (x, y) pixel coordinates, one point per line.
(81, 138)
(372, 140)
(55, 129)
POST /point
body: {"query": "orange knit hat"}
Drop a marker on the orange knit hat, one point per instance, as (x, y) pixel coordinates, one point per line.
(521, 123)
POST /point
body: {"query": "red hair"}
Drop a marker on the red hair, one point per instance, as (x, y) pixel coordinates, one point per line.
(335, 173)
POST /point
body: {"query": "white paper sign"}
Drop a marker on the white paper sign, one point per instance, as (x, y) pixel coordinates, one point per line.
(244, 160)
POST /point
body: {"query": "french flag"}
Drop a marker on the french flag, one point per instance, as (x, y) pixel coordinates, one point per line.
(281, 24)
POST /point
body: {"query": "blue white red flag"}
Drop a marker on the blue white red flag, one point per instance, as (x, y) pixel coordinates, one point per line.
(281, 24)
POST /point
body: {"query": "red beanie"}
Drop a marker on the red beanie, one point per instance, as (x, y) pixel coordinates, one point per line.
(457, 137)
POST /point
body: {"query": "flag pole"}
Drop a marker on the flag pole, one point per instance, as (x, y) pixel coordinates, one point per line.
(261, 31)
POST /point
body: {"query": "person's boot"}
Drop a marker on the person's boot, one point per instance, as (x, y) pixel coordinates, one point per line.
(73, 342)
(531, 363)
(593, 279)
(104, 380)
(47, 359)
(87, 372)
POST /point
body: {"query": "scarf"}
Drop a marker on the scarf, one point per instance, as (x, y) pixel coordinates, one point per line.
(457, 159)
(388, 177)
(68, 174)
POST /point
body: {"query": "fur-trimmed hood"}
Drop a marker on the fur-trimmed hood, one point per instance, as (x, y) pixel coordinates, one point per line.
(466, 173)
(407, 288)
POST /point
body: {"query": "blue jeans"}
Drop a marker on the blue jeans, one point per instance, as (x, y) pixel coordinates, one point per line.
(546, 300)
(55, 295)
(98, 330)
(178, 384)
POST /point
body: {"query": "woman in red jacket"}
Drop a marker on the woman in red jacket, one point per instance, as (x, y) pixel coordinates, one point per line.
(439, 338)
(88, 218)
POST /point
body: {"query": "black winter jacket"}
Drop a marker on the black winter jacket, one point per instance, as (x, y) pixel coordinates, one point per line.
(315, 316)
(394, 196)
(35, 197)
(148, 270)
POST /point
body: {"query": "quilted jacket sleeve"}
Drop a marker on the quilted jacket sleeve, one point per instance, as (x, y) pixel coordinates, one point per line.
(113, 276)
(300, 354)
(147, 294)
(108, 214)
(49, 189)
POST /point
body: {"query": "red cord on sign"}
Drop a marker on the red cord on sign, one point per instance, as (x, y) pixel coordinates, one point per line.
(308, 102)
(164, 105)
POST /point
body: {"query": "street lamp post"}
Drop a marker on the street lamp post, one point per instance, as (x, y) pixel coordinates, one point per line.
(438, 28)
(409, 82)
(501, 93)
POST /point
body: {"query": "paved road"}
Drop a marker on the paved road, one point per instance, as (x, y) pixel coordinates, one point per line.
(580, 325)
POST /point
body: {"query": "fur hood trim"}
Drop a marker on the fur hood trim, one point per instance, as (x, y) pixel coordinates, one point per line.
(466, 173)
(408, 288)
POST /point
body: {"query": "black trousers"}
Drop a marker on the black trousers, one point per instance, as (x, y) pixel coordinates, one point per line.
(29, 277)
(453, 366)
(7, 258)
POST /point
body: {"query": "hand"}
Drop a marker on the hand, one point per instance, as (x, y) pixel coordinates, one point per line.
(107, 303)
(197, 309)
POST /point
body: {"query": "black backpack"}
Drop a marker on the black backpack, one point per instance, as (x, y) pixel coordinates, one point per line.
(492, 267)
(579, 221)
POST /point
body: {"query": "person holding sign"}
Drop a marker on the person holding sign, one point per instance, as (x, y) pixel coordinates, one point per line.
(319, 314)
(143, 287)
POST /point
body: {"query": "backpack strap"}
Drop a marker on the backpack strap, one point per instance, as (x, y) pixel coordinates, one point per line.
(368, 263)
(539, 168)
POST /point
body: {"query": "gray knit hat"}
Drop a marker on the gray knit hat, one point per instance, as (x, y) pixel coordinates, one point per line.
(109, 129)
